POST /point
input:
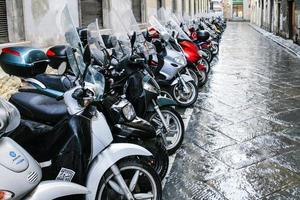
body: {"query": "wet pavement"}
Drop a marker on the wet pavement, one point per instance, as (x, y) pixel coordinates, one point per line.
(243, 139)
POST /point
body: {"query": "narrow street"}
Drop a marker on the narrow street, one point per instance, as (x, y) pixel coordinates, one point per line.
(243, 139)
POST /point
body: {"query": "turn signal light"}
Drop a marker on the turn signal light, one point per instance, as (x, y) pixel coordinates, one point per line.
(6, 195)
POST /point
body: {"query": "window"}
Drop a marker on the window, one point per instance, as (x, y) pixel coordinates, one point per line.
(195, 7)
(159, 4)
(183, 7)
(137, 10)
(174, 6)
(90, 10)
(3, 22)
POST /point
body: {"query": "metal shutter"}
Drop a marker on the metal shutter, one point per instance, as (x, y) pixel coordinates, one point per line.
(90, 10)
(3, 22)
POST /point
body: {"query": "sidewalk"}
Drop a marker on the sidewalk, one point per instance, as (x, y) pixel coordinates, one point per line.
(288, 44)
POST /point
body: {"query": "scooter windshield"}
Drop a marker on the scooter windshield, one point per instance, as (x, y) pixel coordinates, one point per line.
(75, 52)
(124, 26)
(96, 44)
(75, 56)
(172, 24)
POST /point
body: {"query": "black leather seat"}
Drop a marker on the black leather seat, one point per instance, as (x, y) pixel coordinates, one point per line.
(38, 107)
(56, 82)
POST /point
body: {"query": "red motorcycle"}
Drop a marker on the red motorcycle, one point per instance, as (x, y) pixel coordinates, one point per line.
(196, 62)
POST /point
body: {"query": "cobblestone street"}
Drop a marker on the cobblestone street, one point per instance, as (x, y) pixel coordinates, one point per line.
(243, 138)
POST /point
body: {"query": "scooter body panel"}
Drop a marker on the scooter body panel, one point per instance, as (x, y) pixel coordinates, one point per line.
(48, 190)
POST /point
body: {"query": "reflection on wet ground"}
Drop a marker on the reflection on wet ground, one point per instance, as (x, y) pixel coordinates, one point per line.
(243, 138)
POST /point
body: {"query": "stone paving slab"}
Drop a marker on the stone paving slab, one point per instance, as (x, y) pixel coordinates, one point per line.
(243, 138)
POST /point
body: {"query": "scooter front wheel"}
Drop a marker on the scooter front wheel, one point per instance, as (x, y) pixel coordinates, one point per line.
(141, 179)
(174, 136)
(185, 98)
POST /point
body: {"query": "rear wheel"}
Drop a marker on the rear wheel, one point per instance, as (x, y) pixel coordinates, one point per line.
(140, 178)
(160, 159)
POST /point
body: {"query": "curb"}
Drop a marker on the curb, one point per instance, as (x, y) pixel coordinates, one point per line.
(271, 37)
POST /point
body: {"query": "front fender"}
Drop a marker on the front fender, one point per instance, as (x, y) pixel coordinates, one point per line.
(185, 77)
(106, 159)
(54, 189)
(161, 102)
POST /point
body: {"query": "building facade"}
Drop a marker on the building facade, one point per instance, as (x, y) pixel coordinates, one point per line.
(237, 9)
(35, 21)
(281, 17)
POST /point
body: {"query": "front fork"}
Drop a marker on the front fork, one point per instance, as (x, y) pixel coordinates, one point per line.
(185, 88)
(124, 190)
(162, 118)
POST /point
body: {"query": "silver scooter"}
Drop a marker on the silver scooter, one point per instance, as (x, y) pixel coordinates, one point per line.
(176, 82)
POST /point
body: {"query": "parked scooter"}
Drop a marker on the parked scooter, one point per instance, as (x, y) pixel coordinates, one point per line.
(75, 150)
(170, 71)
(138, 84)
(196, 63)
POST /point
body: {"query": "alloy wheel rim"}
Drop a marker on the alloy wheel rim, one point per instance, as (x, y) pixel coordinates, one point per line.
(132, 185)
(174, 126)
(180, 95)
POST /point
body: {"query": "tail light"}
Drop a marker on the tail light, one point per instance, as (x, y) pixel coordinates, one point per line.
(50, 53)
(10, 51)
(6, 195)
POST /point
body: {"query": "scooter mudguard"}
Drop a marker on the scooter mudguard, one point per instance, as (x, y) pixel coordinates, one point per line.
(110, 156)
(161, 102)
(185, 77)
(48, 190)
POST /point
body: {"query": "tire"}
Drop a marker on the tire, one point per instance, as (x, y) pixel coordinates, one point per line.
(216, 49)
(194, 75)
(154, 119)
(209, 55)
(178, 95)
(160, 159)
(202, 77)
(128, 167)
(206, 63)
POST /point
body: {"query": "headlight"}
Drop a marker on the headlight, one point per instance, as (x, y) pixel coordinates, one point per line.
(180, 60)
(150, 88)
(129, 112)
(6, 195)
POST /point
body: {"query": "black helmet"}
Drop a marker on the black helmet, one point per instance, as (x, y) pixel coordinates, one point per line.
(203, 35)
(9, 116)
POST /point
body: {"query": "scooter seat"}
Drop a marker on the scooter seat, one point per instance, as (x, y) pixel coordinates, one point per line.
(38, 107)
(61, 83)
